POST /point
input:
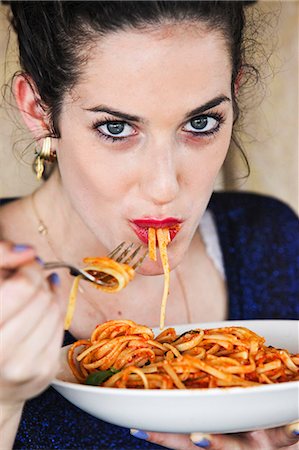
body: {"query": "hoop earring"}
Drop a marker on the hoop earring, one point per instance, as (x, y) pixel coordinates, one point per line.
(42, 156)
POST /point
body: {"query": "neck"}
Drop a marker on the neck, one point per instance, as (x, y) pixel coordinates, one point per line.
(67, 236)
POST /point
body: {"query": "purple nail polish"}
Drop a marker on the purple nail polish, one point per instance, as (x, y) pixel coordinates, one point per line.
(293, 429)
(139, 434)
(20, 248)
(204, 443)
(54, 279)
(39, 260)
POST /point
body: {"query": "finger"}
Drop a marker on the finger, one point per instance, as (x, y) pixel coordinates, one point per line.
(274, 438)
(43, 380)
(284, 436)
(12, 256)
(54, 281)
(19, 289)
(43, 362)
(42, 339)
(32, 387)
(167, 440)
(23, 324)
(38, 353)
(222, 441)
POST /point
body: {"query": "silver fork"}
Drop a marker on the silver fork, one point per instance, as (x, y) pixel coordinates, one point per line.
(122, 254)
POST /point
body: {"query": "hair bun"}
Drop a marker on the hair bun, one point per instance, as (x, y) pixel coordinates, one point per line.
(249, 2)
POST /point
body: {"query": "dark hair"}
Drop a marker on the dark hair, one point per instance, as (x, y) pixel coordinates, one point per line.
(54, 38)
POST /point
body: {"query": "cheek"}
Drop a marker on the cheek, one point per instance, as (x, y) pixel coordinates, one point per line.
(205, 165)
(219, 149)
(85, 165)
(87, 168)
(97, 193)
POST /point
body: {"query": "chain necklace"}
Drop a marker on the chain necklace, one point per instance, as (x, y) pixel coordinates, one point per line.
(43, 230)
(42, 227)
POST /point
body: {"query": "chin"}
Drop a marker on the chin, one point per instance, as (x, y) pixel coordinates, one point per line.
(152, 268)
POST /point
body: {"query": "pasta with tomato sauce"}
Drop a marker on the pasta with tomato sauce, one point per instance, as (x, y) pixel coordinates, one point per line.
(122, 273)
(162, 237)
(123, 354)
(119, 276)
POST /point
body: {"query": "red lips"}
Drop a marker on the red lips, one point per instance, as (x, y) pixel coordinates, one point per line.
(141, 226)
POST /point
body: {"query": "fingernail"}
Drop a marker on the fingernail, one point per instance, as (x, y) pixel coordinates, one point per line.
(201, 440)
(20, 247)
(139, 434)
(39, 260)
(293, 429)
(54, 278)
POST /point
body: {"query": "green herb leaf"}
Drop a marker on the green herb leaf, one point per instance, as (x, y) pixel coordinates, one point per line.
(98, 378)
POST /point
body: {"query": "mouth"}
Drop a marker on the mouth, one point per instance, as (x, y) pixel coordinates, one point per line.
(141, 227)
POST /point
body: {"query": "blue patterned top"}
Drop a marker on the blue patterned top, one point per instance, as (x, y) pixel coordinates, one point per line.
(259, 238)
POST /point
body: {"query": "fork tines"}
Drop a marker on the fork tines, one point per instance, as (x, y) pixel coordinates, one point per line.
(116, 250)
(124, 252)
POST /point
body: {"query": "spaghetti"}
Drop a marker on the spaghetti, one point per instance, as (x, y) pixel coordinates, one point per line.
(115, 275)
(163, 237)
(123, 354)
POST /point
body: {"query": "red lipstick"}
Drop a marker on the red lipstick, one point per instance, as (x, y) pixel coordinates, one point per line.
(141, 226)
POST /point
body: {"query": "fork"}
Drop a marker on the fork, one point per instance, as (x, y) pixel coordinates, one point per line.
(121, 254)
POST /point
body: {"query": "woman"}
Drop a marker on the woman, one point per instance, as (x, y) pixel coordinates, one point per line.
(139, 101)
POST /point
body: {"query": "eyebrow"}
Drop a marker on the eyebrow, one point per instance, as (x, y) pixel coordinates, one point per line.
(206, 106)
(114, 112)
(199, 110)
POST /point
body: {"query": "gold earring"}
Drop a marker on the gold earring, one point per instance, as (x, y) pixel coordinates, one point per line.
(42, 156)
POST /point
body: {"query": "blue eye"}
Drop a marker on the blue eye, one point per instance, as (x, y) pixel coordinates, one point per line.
(203, 124)
(115, 130)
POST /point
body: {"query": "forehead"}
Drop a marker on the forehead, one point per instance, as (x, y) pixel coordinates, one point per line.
(156, 63)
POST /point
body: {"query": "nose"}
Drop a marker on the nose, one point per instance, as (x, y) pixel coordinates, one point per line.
(160, 181)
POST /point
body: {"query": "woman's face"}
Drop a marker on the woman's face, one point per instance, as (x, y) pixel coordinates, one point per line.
(144, 134)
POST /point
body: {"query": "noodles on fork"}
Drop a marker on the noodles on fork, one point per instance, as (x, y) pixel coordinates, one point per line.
(121, 273)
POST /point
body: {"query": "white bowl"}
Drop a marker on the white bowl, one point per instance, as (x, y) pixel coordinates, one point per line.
(185, 411)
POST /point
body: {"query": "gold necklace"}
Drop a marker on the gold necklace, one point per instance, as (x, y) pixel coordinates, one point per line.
(42, 228)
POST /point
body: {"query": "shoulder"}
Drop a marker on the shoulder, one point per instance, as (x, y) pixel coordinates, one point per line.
(5, 201)
(255, 210)
(8, 205)
(13, 218)
(248, 202)
(255, 221)
(259, 241)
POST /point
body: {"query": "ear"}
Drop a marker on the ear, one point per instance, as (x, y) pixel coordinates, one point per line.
(29, 104)
(238, 81)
